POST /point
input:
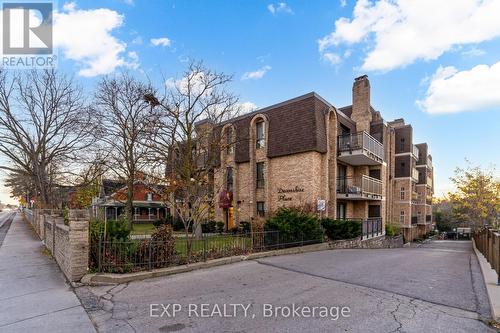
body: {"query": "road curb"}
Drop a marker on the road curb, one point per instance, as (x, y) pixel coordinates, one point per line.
(490, 280)
(113, 278)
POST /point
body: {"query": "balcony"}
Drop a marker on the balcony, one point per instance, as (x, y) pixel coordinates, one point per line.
(372, 227)
(429, 181)
(359, 188)
(415, 152)
(414, 174)
(360, 149)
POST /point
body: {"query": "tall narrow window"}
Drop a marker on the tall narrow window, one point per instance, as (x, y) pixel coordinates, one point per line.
(260, 175)
(402, 193)
(149, 196)
(260, 134)
(341, 211)
(402, 144)
(229, 179)
(402, 217)
(229, 141)
(260, 208)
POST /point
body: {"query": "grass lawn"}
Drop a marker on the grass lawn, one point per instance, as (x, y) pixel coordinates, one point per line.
(142, 228)
(214, 242)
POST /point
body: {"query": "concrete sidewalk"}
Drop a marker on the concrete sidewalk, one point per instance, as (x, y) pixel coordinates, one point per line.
(34, 295)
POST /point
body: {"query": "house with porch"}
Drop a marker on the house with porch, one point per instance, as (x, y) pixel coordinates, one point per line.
(147, 203)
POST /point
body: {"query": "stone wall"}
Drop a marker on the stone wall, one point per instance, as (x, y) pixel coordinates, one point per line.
(68, 244)
(382, 242)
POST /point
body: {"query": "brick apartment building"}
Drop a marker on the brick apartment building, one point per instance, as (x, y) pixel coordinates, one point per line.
(304, 151)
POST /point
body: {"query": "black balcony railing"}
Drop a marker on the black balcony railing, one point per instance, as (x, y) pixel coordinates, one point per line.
(372, 227)
(360, 141)
(414, 219)
(361, 185)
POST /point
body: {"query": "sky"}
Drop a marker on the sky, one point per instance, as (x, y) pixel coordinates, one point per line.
(434, 63)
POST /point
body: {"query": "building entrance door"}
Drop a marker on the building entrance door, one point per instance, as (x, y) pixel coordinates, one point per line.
(229, 212)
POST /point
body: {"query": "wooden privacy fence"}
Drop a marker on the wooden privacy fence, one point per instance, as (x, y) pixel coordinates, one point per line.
(488, 243)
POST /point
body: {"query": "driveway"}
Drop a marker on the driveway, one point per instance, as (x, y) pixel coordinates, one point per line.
(437, 287)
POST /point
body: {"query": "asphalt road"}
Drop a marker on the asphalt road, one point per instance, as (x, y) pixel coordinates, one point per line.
(434, 288)
(6, 218)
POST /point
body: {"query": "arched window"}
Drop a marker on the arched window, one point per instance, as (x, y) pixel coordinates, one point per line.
(260, 134)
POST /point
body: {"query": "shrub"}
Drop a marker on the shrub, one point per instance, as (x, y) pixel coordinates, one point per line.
(341, 229)
(160, 222)
(392, 230)
(219, 226)
(244, 226)
(294, 225)
(178, 225)
(117, 230)
(209, 227)
(161, 245)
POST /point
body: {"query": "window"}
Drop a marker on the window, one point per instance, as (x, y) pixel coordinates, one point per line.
(260, 208)
(260, 136)
(229, 141)
(402, 217)
(402, 144)
(229, 179)
(341, 211)
(402, 193)
(149, 196)
(260, 175)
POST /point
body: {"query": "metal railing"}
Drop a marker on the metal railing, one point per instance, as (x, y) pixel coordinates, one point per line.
(122, 256)
(360, 141)
(414, 174)
(487, 241)
(372, 227)
(415, 151)
(361, 185)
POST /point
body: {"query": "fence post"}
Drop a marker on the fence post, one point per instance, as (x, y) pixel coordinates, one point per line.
(205, 240)
(99, 253)
(149, 255)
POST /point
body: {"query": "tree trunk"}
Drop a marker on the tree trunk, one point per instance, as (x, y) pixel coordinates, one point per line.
(129, 206)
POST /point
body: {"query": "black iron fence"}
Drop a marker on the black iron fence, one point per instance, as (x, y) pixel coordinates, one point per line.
(146, 254)
(372, 227)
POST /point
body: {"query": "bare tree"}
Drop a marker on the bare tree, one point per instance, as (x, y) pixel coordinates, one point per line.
(44, 127)
(186, 142)
(125, 119)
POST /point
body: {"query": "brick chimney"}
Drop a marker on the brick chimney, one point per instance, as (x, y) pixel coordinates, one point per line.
(361, 110)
